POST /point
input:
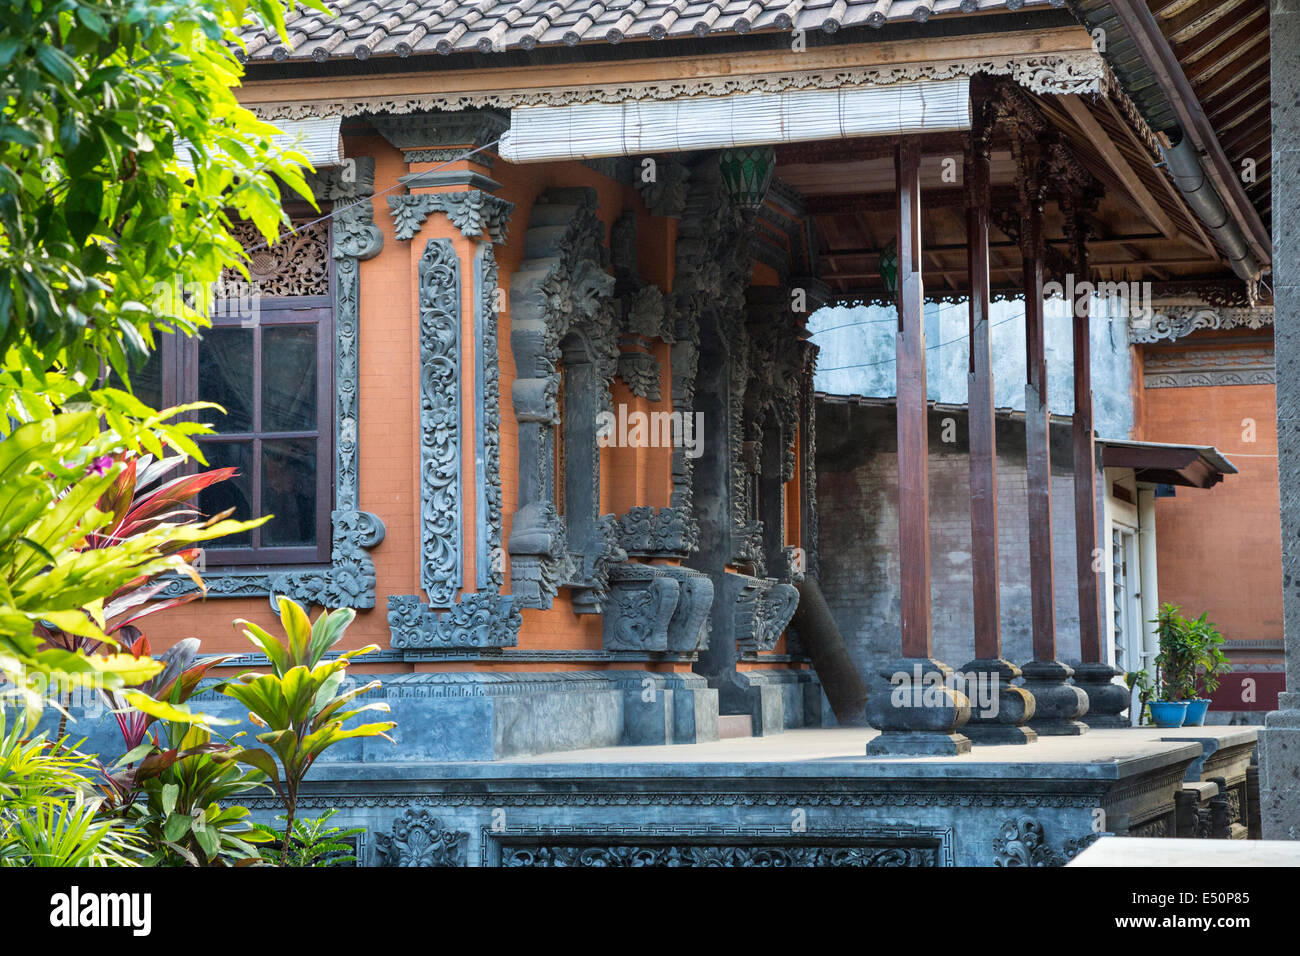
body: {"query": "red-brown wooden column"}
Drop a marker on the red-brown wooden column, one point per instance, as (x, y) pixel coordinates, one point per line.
(924, 717)
(998, 709)
(1106, 699)
(1057, 703)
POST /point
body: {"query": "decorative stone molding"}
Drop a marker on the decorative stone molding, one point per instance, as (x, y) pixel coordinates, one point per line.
(1216, 366)
(417, 840)
(483, 619)
(349, 579)
(423, 136)
(441, 541)
(1022, 842)
(761, 609)
(1075, 72)
(676, 853)
(474, 212)
(657, 532)
(490, 559)
(1174, 322)
(562, 328)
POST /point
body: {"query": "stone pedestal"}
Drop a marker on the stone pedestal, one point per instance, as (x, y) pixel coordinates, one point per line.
(922, 712)
(1107, 701)
(1058, 705)
(1011, 707)
(1279, 770)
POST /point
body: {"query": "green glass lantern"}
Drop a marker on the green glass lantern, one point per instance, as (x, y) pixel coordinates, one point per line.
(889, 267)
(747, 173)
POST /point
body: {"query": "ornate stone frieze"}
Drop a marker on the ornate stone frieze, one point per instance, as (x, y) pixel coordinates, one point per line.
(441, 542)
(349, 579)
(657, 532)
(417, 839)
(1174, 322)
(1059, 73)
(1199, 367)
(562, 329)
(482, 619)
(715, 854)
(474, 212)
(1022, 842)
(490, 560)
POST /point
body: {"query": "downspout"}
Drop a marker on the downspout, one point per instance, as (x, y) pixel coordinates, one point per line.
(1185, 167)
(1150, 587)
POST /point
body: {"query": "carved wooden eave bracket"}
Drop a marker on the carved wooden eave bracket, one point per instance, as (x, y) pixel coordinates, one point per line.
(1074, 71)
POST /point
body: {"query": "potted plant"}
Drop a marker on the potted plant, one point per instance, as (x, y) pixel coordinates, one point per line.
(1176, 666)
(1145, 687)
(1211, 663)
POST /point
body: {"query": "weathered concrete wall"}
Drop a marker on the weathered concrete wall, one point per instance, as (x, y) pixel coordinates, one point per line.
(857, 493)
(857, 357)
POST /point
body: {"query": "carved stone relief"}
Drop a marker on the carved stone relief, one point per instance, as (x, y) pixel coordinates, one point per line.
(441, 544)
(1022, 842)
(418, 840)
(562, 324)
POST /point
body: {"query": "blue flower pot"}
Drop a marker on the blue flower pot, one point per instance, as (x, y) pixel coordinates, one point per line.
(1168, 713)
(1196, 710)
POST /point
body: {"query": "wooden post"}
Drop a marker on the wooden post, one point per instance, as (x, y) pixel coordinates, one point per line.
(982, 424)
(1038, 455)
(913, 436)
(920, 723)
(999, 709)
(1085, 473)
(1057, 703)
(1107, 700)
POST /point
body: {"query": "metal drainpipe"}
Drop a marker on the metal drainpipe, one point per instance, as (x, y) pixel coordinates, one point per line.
(1150, 584)
(1201, 196)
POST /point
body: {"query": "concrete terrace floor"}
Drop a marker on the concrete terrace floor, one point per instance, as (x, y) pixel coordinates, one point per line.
(836, 752)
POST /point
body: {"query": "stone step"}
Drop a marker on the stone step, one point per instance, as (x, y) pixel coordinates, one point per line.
(735, 725)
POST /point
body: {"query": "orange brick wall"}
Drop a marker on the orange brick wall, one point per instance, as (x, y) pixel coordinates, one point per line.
(1219, 550)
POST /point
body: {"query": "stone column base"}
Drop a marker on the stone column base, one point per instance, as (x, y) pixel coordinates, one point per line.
(1057, 704)
(1004, 721)
(1279, 771)
(1107, 701)
(921, 714)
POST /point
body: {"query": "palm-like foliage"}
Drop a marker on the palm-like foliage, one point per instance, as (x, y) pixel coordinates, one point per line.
(314, 843)
(67, 833)
(300, 702)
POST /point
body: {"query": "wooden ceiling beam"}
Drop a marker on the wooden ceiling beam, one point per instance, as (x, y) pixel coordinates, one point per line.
(1118, 165)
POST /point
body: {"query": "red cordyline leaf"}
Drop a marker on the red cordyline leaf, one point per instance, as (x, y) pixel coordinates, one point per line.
(173, 493)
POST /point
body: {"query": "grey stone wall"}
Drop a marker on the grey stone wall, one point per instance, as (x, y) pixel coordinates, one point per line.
(857, 491)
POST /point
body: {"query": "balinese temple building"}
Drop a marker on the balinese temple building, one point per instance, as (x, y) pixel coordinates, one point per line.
(652, 575)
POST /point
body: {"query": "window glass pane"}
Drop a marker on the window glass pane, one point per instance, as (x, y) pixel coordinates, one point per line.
(289, 492)
(236, 492)
(226, 376)
(289, 378)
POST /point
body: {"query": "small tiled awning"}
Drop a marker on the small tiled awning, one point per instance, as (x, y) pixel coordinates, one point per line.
(1190, 466)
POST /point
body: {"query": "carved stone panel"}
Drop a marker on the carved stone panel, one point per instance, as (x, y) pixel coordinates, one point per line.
(417, 839)
(440, 417)
(561, 312)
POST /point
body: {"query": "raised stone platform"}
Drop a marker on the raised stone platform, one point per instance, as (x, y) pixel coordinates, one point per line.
(804, 797)
(1110, 851)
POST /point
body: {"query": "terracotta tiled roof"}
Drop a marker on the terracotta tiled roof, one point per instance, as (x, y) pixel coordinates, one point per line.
(366, 28)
